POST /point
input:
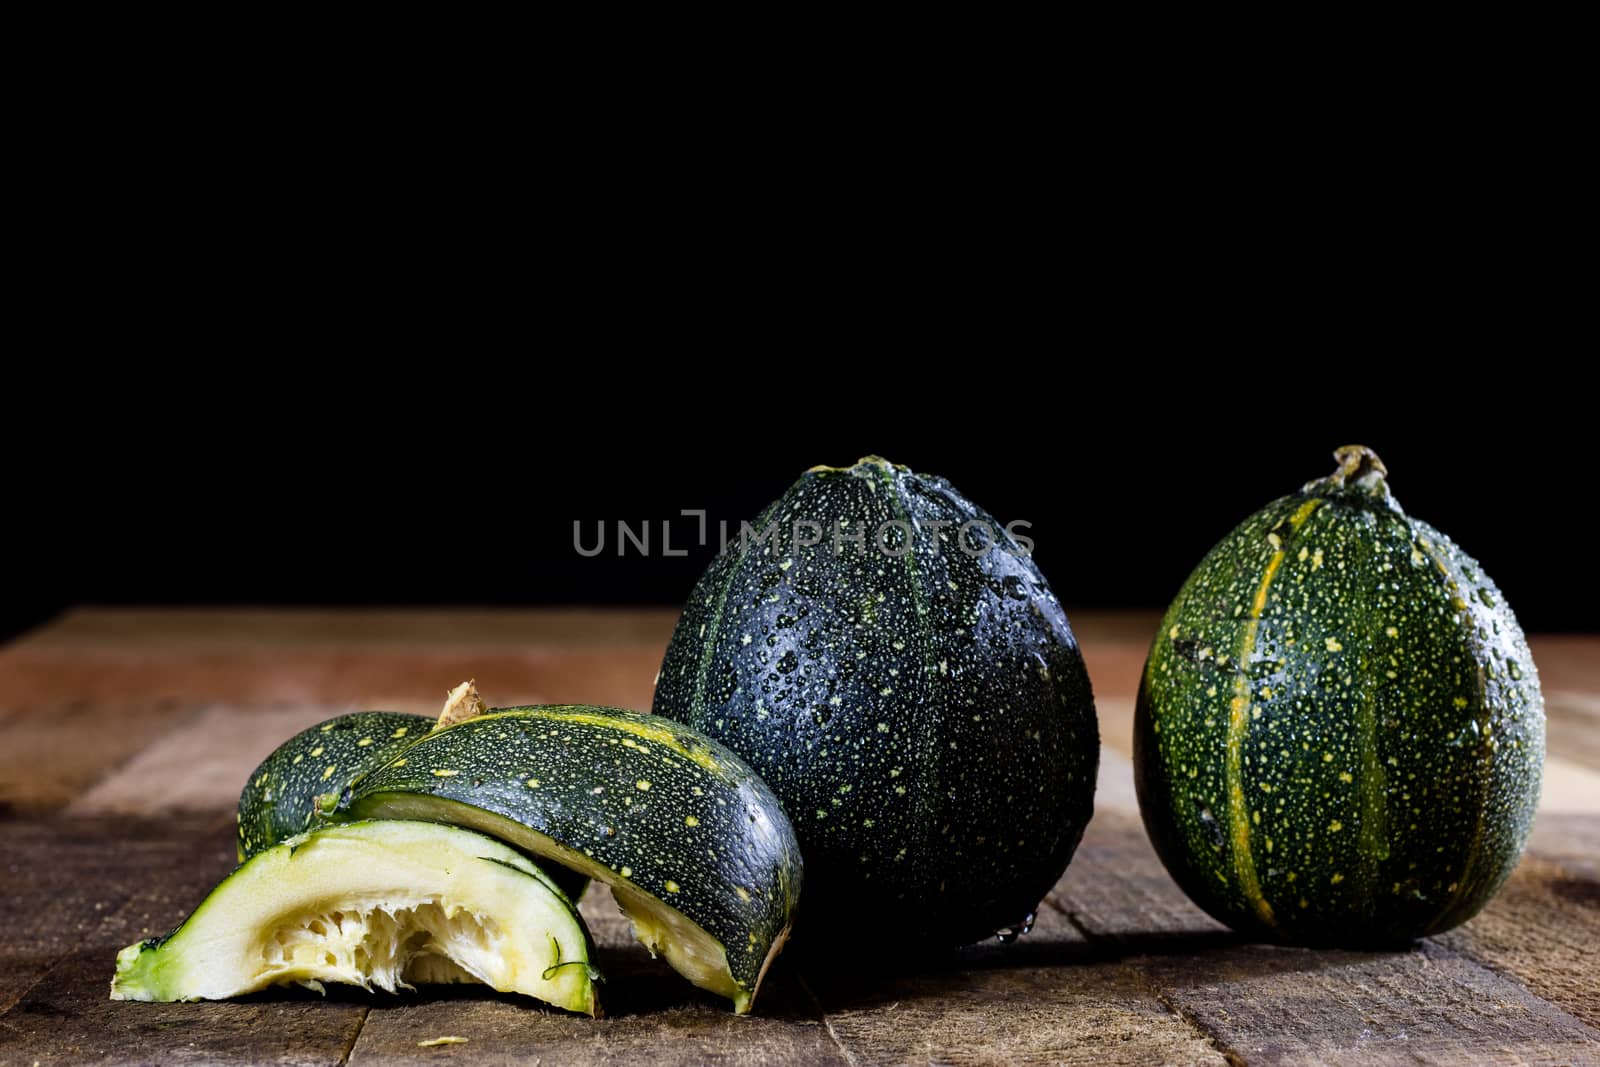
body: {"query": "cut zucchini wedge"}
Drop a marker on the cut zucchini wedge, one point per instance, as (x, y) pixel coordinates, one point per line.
(385, 904)
(698, 852)
(279, 799)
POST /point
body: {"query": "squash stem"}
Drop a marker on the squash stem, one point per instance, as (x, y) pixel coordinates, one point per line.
(1360, 472)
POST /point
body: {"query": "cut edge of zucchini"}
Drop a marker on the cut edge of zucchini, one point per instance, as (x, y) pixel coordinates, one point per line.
(388, 904)
(687, 946)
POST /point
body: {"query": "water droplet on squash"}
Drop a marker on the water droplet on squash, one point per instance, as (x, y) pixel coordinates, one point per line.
(1209, 822)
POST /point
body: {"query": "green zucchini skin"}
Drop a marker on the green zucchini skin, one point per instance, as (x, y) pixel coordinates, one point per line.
(279, 798)
(663, 809)
(1339, 735)
(923, 713)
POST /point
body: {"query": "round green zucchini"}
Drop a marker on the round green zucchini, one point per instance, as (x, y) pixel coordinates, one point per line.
(1339, 734)
(890, 659)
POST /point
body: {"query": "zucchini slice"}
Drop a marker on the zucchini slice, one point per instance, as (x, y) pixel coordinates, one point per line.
(698, 852)
(385, 904)
(279, 799)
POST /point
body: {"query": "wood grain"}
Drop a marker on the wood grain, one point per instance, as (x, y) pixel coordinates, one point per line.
(159, 871)
(200, 764)
(1275, 1005)
(1447, 1000)
(68, 882)
(1050, 998)
(49, 755)
(124, 737)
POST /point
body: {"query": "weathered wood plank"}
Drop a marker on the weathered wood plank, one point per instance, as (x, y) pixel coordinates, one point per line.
(1139, 898)
(1088, 1013)
(651, 1015)
(1116, 888)
(1573, 841)
(395, 679)
(196, 629)
(1271, 1004)
(64, 879)
(50, 754)
(198, 765)
(1573, 724)
(1543, 927)
(67, 1016)
(1049, 998)
(1153, 981)
(1569, 788)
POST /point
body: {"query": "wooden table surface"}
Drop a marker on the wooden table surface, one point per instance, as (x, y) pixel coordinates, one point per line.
(125, 736)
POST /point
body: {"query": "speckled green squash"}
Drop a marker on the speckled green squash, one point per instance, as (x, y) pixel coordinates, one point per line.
(1339, 736)
(914, 696)
(698, 852)
(278, 800)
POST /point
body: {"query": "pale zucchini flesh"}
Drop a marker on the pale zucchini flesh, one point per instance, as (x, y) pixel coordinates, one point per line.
(698, 852)
(661, 928)
(376, 904)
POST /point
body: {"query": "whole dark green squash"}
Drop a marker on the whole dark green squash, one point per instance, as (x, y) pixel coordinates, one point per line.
(1339, 736)
(897, 669)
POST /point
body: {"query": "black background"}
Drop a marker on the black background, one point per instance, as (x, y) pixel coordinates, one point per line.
(286, 350)
(466, 492)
